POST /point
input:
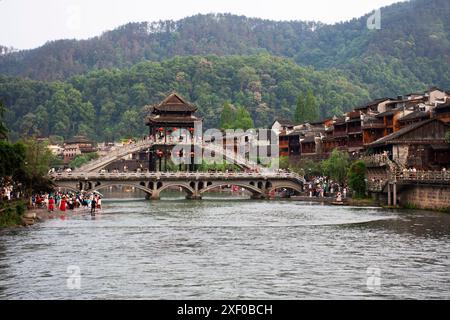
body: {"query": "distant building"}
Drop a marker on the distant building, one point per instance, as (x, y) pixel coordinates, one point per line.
(284, 126)
(76, 146)
(367, 125)
(56, 150)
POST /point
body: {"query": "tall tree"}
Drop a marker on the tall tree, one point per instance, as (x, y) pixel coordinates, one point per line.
(311, 107)
(336, 166)
(243, 119)
(300, 111)
(357, 178)
(227, 117)
(3, 128)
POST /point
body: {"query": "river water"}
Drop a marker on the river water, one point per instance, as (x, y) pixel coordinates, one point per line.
(228, 249)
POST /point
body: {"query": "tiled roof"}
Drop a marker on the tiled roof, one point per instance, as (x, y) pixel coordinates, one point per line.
(400, 132)
(174, 102)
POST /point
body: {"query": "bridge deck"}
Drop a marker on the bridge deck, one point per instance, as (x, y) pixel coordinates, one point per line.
(67, 176)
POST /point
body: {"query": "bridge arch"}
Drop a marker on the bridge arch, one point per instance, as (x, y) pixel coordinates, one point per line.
(112, 184)
(67, 188)
(188, 189)
(254, 190)
(286, 186)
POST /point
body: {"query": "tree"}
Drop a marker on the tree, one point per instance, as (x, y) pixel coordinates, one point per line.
(357, 178)
(37, 165)
(312, 109)
(336, 166)
(300, 111)
(447, 137)
(283, 162)
(311, 168)
(307, 109)
(243, 119)
(82, 159)
(227, 117)
(3, 128)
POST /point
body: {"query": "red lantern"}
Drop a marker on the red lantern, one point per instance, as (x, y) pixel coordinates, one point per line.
(175, 129)
(161, 129)
(191, 129)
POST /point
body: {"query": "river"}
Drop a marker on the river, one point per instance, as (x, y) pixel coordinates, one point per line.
(228, 248)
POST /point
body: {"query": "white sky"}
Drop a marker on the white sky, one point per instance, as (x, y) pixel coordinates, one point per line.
(27, 24)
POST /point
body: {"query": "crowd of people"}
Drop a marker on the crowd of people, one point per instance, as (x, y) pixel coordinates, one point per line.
(319, 186)
(67, 201)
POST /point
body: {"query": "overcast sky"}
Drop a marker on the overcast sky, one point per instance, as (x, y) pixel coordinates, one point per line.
(27, 24)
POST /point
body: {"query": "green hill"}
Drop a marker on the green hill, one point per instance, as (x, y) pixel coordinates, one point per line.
(109, 104)
(411, 50)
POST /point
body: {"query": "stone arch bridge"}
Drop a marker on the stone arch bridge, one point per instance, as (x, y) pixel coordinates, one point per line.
(229, 155)
(195, 185)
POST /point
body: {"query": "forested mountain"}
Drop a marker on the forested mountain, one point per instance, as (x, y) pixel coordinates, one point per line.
(99, 86)
(109, 104)
(411, 50)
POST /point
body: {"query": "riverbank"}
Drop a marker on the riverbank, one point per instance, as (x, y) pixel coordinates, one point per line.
(16, 215)
(367, 202)
(11, 214)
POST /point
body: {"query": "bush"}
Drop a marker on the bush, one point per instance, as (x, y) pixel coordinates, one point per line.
(357, 178)
(336, 166)
(11, 216)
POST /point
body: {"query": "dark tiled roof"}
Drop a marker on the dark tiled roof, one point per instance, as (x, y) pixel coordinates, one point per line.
(174, 102)
(388, 113)
(168, 119)
(400, 132)
(339, 121)
(415, 115)
(78, 139)
(443, 105)
(371, 103)
(284, 122)
(296, 133)
(309, 139)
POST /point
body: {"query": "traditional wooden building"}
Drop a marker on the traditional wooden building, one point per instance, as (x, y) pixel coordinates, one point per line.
(76, 146)
(413, 117)
(280, 126)
(294, 143)
(308, 145)
(283, 141)
(421, 145)
(442, 111)
(354, 131)
(171, 123)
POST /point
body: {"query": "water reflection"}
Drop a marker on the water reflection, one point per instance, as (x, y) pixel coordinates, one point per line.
(228, 249)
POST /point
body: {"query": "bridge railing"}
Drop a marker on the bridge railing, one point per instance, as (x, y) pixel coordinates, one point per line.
(134, 147)
(173, 175)
(425, 176)
(119, 152)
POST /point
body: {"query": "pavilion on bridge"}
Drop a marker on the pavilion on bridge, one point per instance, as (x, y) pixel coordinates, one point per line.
(171, 123)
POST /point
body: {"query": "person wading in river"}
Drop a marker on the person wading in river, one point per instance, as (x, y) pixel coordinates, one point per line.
(51, 204)
(93, 205)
